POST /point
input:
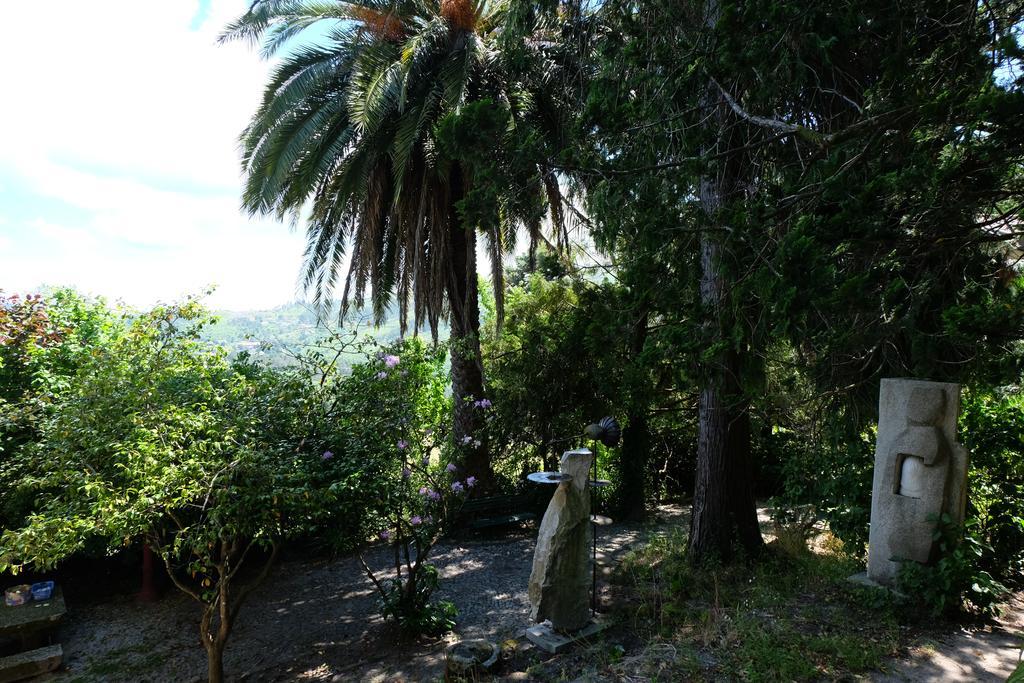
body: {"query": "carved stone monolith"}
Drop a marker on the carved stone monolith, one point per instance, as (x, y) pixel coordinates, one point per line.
(560, 582)
(920, 473)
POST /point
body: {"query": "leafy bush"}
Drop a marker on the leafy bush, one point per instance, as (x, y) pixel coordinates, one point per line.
(43, 343)
(569, 354)
(955, 581)
(161, 438)
(992, 428)
(147, 432)
(832, 470)
(794, 527)
(546, 323)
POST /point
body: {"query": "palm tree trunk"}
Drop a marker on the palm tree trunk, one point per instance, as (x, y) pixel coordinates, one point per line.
(467, 366)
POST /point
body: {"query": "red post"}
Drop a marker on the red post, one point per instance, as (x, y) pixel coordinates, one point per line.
(148, 592)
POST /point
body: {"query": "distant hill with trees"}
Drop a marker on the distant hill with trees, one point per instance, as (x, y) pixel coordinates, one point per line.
(278, 334)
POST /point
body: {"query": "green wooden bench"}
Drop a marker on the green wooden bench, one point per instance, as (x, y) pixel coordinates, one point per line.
(29, 627)
(496, 511)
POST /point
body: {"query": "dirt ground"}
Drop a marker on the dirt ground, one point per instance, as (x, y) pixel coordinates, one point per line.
(987, 653)
(317, 621)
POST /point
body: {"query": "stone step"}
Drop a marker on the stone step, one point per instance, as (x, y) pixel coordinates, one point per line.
(32, 663)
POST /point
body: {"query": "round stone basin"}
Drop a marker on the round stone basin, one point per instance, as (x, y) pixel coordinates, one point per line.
(469, 655)
(548, 477)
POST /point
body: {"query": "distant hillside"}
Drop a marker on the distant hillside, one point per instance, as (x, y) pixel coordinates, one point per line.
(272, 334)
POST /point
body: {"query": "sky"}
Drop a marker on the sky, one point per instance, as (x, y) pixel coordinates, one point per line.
(119, 164)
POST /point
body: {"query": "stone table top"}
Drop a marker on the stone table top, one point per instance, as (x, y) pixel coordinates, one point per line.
(32, 616)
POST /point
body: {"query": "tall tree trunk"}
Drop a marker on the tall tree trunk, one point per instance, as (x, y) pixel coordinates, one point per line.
(214, 637)
(723, 503)
(215, 663)
(636, 444)
(742, 505)
(636, 439)
(467, 367)
(724, 509)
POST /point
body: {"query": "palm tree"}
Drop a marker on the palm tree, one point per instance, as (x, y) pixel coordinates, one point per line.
(395, 131)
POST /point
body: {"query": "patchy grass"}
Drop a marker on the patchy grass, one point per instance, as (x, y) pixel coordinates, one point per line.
(127, 663)
(789, 616)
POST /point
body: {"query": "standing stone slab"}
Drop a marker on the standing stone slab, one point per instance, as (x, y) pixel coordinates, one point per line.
(920, 473)
(561, 578)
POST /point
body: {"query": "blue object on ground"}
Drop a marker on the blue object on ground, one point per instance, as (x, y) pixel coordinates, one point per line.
(42, 590)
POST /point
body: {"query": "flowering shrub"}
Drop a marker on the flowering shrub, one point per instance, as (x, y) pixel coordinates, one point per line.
(367, 415)
(419, 503)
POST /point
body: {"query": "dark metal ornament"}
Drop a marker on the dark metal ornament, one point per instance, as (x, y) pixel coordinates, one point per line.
(606, 431)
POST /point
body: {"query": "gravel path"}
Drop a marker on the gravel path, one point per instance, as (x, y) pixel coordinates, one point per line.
(318, 620)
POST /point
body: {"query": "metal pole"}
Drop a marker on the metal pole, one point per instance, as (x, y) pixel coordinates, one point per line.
(593, 522)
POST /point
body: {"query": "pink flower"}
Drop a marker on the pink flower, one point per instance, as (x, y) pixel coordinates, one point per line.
(327, 455)
(382, 375)
(385, 535)
(391, 361)
(466, 440)
(402, 444)
(406, 473)
(416, 521)
(451, 467)
(457, 487)
(470, 482)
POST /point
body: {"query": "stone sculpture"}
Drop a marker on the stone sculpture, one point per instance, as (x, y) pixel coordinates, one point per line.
(920, 473)
(560, 582)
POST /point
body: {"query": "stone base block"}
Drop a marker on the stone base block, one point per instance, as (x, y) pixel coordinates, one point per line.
(30, 664)
(549, 640)
(863, 579)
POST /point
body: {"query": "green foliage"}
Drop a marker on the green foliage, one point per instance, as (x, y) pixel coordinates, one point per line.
(361, 415)
(43, 343)
(858, 177)
(992, 428)
(413, 610)
(163, 438)
(214, 462)
(1018, 674)
(955, 581)
(831, 469)
(548, 322)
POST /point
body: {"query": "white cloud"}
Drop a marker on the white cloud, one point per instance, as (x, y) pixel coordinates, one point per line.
(126, 85)
(122, 113)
